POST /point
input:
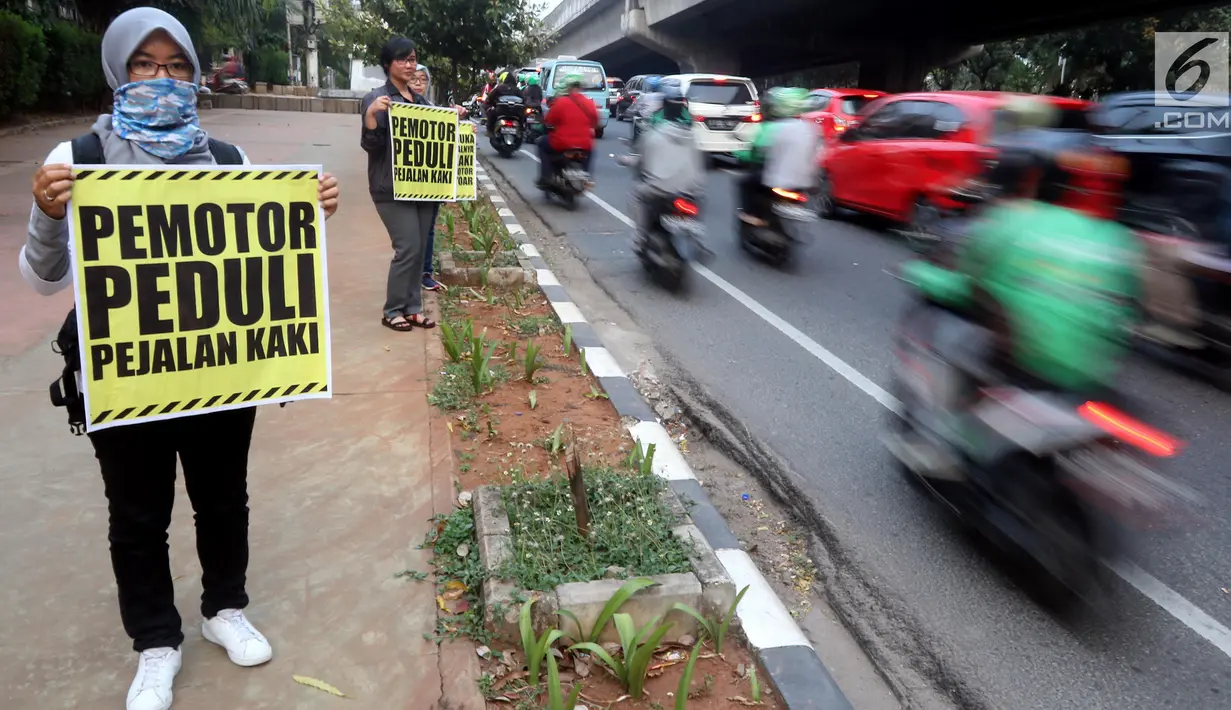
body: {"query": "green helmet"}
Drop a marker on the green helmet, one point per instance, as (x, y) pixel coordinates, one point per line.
(573, 80)
(532, 80)
(786, 101)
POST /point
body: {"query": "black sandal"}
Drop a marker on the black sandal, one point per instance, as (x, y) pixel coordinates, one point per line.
(403, 326)
(421, 321)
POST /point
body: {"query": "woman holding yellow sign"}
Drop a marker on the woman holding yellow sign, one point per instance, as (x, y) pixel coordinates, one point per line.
(409, 222)
(150, 63)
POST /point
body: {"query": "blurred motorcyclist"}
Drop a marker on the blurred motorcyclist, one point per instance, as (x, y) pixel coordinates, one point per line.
(670, 162)
(488, 87)
(570, 126)
(1044, 279)
(506, 87)
(782, 155)
(646, 105)
(534, 92)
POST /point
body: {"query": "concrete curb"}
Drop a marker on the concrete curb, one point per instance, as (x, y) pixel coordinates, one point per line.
(53, 123)
(792, 664)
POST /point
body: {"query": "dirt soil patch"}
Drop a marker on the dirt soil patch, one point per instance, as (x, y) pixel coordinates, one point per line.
(508, 422)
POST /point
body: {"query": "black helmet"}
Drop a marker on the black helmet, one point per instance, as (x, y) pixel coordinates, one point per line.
(675, 105)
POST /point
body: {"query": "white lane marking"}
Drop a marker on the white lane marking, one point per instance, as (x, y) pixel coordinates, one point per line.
(762, 615)
(1166, 598)
(533, 157)
(601, 364)
(668, 462)
(1179, 607)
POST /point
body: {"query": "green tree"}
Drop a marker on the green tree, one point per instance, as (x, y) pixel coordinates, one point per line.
(455, 37)
(1087, 61)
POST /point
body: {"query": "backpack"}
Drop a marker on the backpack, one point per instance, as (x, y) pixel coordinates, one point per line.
(88, 150)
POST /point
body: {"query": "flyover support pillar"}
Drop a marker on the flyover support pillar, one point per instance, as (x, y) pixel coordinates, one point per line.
(692, 56)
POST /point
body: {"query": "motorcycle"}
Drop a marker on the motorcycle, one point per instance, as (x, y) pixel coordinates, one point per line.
(1054, 479)
(233, 85)
(568, 178)
(774, 241)
(534, 128)
(506, 135)
(1208, 356)
(670, 239)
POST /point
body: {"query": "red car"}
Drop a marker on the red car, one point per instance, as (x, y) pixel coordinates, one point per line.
(908, 149)
(836, 109)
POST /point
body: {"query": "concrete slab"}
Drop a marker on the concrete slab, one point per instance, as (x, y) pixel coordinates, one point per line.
(342, 491)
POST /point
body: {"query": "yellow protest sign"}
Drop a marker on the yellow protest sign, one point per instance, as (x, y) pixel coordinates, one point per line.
(198, 289)
(465, 161)
(424, 142)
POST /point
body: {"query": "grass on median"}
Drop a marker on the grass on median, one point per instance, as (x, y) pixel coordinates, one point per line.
(630, 528)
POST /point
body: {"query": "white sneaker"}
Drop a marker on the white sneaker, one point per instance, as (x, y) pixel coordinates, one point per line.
(151, 689)
(244, 644)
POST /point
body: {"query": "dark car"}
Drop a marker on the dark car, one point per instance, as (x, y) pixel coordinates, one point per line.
(628, 96)
(1180, 163)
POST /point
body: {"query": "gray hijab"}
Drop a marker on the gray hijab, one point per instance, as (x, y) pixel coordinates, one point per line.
(427, 90)
(124, 36)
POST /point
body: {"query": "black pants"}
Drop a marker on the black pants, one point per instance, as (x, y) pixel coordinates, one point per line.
(752, 194)
(549, 158)
(138, 466)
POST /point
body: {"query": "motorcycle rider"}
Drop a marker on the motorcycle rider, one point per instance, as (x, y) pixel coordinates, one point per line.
(534, 92)
(782, 155)
(670, 163)
(1043, 280)
(570, 126)
(507, 87)
(647, 105)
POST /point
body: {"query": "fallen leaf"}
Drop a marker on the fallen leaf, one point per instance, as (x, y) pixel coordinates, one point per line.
(508, 679)
(454, 589)
(450, 425)
(318, 684)
(440, 602)
(583, 669)
(483, 651)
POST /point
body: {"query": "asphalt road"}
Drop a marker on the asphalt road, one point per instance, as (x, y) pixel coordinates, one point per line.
(758, 340)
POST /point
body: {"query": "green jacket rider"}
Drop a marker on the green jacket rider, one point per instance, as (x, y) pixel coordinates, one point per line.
(1063, 279)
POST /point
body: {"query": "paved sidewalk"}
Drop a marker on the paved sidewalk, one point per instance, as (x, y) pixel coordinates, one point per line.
(341, 490)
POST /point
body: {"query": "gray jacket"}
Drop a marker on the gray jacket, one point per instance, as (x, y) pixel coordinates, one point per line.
(377, 144)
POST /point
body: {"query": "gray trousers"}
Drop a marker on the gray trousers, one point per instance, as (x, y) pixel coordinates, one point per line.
(408, 224)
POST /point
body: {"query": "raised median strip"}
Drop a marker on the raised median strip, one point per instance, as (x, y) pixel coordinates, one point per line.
(784, 652)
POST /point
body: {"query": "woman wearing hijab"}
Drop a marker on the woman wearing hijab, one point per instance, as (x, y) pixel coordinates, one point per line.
(422, 84)
(150, 63)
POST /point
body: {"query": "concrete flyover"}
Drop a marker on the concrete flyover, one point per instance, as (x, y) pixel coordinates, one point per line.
(895, 43)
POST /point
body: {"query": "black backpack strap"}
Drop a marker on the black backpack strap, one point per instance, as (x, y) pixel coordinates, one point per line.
(88, 150)
(225, 153)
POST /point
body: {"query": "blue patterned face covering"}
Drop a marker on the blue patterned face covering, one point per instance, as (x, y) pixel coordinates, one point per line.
(159, 115)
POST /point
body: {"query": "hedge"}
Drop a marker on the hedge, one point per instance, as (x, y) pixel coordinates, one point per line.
(78, 82)
(23, 60)
(270, 65)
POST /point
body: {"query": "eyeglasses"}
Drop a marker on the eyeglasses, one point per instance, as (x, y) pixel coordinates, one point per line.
(407, 60)
(175, 70)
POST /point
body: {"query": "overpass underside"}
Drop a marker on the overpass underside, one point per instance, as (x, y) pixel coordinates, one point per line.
(895, 43)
